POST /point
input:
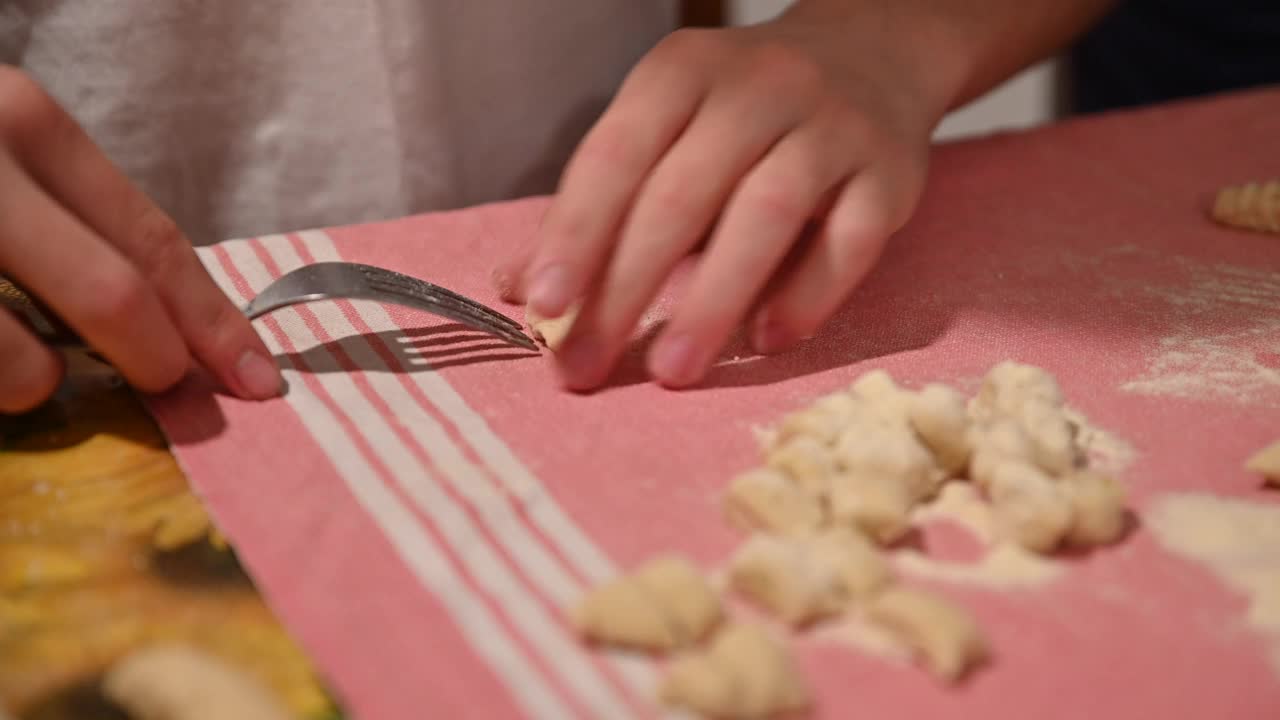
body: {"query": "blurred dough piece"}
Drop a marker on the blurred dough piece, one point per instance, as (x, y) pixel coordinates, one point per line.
(1253, 206)
(175, 682)
(745, 673)
(944, 635)
(664, 604)
(1266, 462)
(551, 331)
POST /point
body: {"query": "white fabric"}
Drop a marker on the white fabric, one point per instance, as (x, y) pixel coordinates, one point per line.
(244, 117)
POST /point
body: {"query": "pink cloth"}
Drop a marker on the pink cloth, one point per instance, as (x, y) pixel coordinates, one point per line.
(424, 500)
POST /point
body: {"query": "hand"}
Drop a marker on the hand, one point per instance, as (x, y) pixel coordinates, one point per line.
(75, 233)
(747, 135)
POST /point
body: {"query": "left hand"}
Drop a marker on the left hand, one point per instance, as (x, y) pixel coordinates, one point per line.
(745, 135)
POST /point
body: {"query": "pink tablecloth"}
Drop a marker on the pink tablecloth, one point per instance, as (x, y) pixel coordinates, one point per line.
(424, 500)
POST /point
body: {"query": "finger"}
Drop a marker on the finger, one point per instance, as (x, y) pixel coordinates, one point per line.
(675, 207)
(868, 210)
(508, 276)
(653, 106)
(765, 216)
(87, 283)
(29, 371)
(66, 162)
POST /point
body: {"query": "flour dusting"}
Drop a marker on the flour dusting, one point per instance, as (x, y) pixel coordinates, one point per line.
(1225, 344)
(1238, 541)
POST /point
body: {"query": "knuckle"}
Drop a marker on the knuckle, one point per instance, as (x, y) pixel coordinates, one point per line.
(673, 200)
(685, 44)
(612, 147)
(781, 68)
(163, 250)
(117, 298)
(778, 201)
(30, 373)
(27, 112)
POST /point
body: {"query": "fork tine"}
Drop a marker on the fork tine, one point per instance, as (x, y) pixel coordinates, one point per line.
(469, 313)
(422, 287)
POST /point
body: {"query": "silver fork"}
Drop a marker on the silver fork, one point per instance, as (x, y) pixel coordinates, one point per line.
(329, 281)
(353, 281)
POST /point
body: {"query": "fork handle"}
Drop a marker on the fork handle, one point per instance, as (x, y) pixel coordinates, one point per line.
(37, 316)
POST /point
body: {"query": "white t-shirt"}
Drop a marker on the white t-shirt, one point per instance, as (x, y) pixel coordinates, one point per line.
(243, 117)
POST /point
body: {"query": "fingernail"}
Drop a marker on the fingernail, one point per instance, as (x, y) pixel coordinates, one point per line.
(258, 376)
(549, 291)
(768, 337)
(675, 361)
(577, 361)
(503, 283)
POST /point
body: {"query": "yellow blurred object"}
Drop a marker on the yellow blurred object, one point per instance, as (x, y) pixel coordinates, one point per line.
(104, 551)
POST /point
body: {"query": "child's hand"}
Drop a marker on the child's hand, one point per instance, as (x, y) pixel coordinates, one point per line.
(744, 134)
(78, 235)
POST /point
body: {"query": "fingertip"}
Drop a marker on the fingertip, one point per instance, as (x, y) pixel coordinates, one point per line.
(551, 290)
(256, 376)
(676, 361)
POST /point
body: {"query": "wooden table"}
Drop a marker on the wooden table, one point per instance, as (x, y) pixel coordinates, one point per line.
(103, 550)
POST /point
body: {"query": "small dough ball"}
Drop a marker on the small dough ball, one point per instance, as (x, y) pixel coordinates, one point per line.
(765, 499)
(993, 444)
(1030, 508)
(860, 568)
(1266, 462)
(1098, 511)
(938, 415)
(780, 576)
(882, 397)
(804, 579)
(892, 451)
(664, 604)
(551, 331)
(1031, 397)
(746, 673)
(1008, 386)
(944, 635)
(176, 682)
(806, 460)
(877, 505)
(821, 421)
(685, 600)
(1252, 206)
(1053, 437)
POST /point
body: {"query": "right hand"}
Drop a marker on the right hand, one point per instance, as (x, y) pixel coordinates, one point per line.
(115, 268)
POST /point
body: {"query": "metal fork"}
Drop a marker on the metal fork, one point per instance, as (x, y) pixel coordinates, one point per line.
(339, 280)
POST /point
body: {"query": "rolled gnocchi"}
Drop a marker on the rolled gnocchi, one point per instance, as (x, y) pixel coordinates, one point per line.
(665, 604)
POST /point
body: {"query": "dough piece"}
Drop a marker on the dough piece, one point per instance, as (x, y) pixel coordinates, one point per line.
(745, 673)
(943, 635)
(664, 604)
(551, 331)
(176, 682)
(1030, 508)
(1008, 386)
(1253, 206)
(1098, 511)
(1031, 397)
(882, 397)
(1266, 462)
(993, 444)
(938, 415)
(804, 579)
(807, 461)
(892, 451)
(877, 505)
(765, 499)
(822, 421)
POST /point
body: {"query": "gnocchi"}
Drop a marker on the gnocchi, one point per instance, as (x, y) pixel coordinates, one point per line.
(666, 603)
(945, 636)
(745, 673)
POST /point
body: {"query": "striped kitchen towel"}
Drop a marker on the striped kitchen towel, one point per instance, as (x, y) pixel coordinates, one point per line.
(424, 501)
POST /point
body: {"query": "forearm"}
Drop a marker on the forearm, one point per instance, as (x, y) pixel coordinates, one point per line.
(960, 49)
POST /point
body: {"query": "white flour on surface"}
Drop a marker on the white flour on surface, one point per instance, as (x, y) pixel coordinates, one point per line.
(1225, 343)
(1238, 541)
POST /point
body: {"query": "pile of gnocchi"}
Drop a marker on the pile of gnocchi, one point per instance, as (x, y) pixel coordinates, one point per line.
(839, 482)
